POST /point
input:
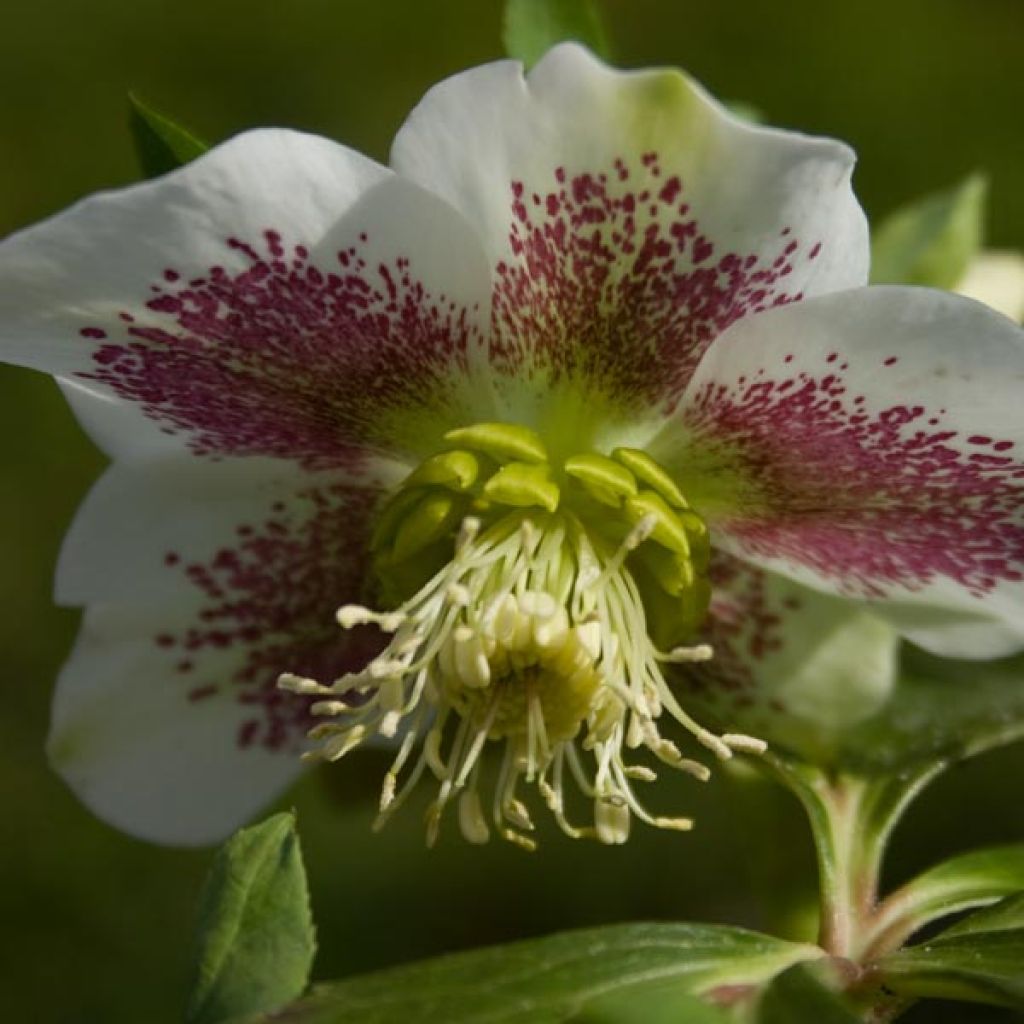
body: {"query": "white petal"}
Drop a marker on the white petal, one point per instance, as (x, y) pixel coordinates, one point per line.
(791, 665)
(204, 582)
(143, 525)
(281, 295)
(630, 217)
(146, 755)
(869, 444)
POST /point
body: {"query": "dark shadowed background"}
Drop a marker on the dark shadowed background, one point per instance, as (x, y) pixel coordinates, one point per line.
(95, 926)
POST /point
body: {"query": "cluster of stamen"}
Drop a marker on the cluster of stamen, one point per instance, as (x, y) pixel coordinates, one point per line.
(530, 630)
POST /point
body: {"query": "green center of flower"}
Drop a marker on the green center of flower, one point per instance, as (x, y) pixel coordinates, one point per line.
(534, 604)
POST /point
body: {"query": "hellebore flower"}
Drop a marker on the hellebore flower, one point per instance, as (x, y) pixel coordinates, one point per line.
(496, 404)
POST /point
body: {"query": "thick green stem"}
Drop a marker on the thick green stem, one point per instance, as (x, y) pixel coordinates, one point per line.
(851, 819)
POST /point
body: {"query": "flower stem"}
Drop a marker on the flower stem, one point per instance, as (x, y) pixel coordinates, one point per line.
(851, 818)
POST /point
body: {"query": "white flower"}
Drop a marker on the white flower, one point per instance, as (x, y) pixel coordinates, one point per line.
(598, 320)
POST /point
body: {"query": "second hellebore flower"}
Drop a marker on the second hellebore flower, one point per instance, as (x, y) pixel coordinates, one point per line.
(512, 405)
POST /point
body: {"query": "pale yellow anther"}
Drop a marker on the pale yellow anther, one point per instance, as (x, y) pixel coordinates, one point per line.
(701, 772)
(471, 662)
(472, 822)
(551, 630)
(743, 744)
(330, 707)
(387, 791)
(338, 746)
(389, 724)
(674, 824)
(537, 604)
(516, 812)
(714, 743)
(300, 684)
(589, 636)
(611, 820)
(517, 839)
(505, 618)
(468, 530)
(690, 655)
(388, 668)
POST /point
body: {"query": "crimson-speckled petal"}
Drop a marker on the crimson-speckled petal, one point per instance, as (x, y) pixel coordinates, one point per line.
(628, 216)
(868, 444)
(203, 582)
(281, 296)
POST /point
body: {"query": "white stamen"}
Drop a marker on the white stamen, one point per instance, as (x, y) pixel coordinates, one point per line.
(535, 635)
(744, 744)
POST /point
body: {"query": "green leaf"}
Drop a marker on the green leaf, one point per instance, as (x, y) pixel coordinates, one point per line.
(160, 144)
(797, 997)
(980, 959)
(961, 883)
(931, 241)
(939, 709)
(1006, 915)
(532, 27)
(559, 978)
(256, 942)
(652, 1004)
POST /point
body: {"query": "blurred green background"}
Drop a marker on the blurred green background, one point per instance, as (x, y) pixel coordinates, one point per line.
(95, 926)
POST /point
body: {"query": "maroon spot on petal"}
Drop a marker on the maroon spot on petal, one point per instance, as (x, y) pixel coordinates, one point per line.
(93, 332)
(268, 603)
(891, 361)
(280, 357)
(873, 501)
(595, 291)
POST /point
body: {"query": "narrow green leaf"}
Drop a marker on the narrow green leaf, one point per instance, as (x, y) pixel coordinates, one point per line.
(797, 997)
(980, 959)
(256, 942)
(652, 1004)
(1006, 915)
(970, 880)
(557, 978)
(931, 241)
(532, 27)
(160, 144)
